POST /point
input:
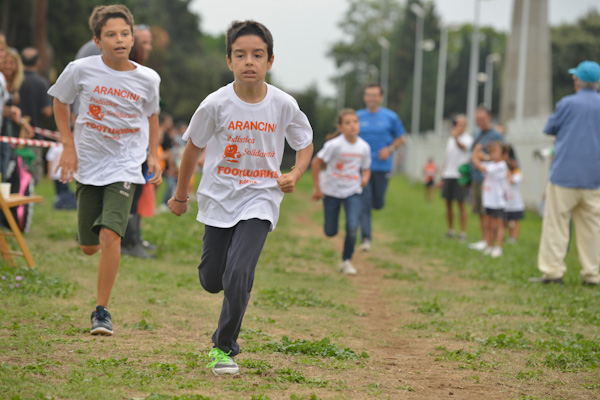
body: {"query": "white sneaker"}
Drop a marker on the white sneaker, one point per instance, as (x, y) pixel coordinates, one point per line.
(347, 268)
(487, 251)
(365, 246)
(481, 245)
(496, 252)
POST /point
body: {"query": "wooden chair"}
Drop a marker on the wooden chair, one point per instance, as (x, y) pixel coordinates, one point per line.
(6, 204)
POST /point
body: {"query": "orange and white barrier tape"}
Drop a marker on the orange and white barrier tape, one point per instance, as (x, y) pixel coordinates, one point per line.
(28, 142)
(45, 132)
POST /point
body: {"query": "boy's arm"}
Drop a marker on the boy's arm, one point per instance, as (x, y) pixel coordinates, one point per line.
(288, 181)
(68, 158)
(366, 175)
(178, 203)
(315, 167)
(153, 164)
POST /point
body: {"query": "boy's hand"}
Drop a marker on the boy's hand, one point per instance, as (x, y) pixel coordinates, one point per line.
(68, 163)
(317, 195)
(287, 182)
(177, 207)
(154, 167)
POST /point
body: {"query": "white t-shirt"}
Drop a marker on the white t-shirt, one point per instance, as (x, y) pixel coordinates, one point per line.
(244, 147)
(344, 163)
(110, 138)
(495, 182)
(514, 199)
(4, 96)
(455, 156)
(53, 156)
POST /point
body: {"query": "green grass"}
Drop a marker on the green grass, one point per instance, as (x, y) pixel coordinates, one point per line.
(307, 333)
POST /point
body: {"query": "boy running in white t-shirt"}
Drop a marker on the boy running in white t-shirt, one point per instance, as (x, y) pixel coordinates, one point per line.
(495, 182)
(348, 160)
(107, 147)
(243, 126)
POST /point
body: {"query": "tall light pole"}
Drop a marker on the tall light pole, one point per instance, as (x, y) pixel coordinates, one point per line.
(522, 62)
(441, 81)
(473, 70)
(385, 65)
(490, 60)
(418, 69)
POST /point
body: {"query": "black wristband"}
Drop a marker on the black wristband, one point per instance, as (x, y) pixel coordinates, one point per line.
(181, 201)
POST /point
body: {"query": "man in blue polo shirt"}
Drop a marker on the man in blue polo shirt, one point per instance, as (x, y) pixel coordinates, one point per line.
(382, 129)
(574, 187)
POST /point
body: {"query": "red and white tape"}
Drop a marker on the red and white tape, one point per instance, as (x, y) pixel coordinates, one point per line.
(45, 132)
(28, 142)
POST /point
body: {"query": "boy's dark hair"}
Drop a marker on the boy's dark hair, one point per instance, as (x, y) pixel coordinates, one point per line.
(374, 85)
(249, 27)
(101, 14)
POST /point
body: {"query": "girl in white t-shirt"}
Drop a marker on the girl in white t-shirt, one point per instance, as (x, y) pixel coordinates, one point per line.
(348, 160)
(495, 182)
(515, 207)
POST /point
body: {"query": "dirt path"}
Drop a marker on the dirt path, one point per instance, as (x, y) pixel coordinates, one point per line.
(403, 366)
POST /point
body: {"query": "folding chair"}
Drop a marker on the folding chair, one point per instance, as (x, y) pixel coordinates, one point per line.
(15, 200)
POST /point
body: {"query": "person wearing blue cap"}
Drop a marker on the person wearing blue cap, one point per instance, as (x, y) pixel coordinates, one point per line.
(574, 187)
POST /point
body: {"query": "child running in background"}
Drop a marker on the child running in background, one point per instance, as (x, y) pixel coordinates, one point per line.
(348, 160)
(495, 175)
(244, 127)
(429, 172)
(515, 207)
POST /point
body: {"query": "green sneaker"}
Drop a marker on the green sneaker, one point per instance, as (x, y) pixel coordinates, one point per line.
(222, 364)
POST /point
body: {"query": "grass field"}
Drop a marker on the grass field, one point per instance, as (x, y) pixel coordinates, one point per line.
(425, 318)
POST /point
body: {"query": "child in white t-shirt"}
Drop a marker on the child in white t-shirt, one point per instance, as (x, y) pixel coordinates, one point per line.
(65, 198)
(348, 160)
(243, 126)
(515, 206)
(107, 147)
(495, 173)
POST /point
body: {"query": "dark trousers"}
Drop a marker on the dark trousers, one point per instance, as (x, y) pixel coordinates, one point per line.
(373, 197)
(229, 258)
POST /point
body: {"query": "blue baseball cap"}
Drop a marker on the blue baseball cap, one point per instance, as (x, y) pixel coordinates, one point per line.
(587, 71)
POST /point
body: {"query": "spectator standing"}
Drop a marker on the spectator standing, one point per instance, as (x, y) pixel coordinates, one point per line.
(383, 131)
(35, 103)
(487, 133)
(574, 187)
(457, 153)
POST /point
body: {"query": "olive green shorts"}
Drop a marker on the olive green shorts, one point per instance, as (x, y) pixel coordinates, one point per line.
(102, 207)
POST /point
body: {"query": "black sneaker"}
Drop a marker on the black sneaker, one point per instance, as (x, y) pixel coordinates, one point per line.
(545, 281)
(101, 323)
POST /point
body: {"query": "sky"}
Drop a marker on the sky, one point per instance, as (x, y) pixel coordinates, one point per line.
(304, 31)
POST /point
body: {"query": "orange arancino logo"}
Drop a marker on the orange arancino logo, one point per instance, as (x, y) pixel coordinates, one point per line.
(231, 153)
(95, 111)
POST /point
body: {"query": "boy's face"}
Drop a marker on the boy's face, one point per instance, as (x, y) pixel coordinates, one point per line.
(116, 40)
(249, 60)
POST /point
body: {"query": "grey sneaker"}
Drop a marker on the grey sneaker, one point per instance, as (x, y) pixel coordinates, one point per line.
(347, 268)
(101, 322)
(365, 246)
(222, 364)
(462, 237)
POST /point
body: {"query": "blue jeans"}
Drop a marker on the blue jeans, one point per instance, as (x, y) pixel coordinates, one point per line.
(373, 197)
(332, 206)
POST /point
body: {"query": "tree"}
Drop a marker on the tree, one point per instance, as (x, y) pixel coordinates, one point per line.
(572, 44)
